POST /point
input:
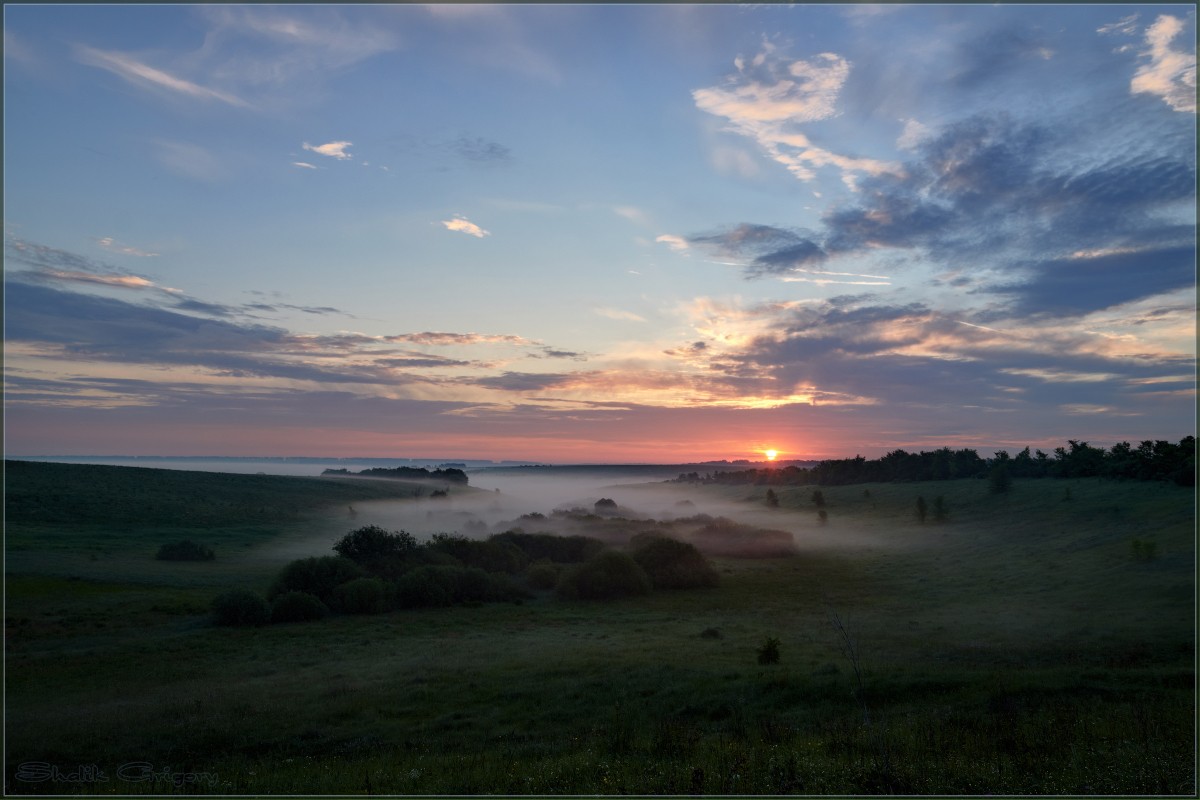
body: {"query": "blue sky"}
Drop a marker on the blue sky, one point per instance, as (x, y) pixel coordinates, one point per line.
(597, 232)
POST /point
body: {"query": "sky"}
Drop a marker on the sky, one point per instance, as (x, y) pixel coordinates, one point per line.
(597, 233)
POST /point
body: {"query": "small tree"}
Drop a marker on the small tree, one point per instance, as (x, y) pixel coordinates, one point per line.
(772, 499)
(373, 543)
(818, 498)
(768, 652)
(921, 508)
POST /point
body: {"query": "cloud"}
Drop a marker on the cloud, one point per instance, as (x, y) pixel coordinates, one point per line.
(480, 150)
(60, 266)
(913, 134)
(1126, 26)
(632, 213)
(457, 339)
(463, 225)
(1170, 73)
(768, 98)
(332, 149)
(618, 314)
(1014, 201)
(676, 243)
(145, 76)
(303, 164)
(764, 249)
(108, 243)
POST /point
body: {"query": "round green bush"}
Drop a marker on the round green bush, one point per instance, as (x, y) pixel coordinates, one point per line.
(297, 607)
(426, 587)
(318, 576)
(606, 576)
(671, 564)
(240, 607)
(542, 576)
(362, 596)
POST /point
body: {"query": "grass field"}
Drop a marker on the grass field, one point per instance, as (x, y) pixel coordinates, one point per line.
(1021, 647)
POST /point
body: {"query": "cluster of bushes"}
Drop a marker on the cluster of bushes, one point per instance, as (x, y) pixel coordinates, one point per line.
(376, 571)
(186, 550)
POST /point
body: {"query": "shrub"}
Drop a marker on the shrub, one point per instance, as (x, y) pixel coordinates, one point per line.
(371, 543)
(671, 564)
(772, 499)
(318, 576)
(818, 498)
(822, 516)
(542, 576)
(559, 549)
(185, 551)
(424, 587)
(362, 596)
(768, 652)
(606, 576)
(297, 607)
(489, 555)
(921, 508)
(240, 607)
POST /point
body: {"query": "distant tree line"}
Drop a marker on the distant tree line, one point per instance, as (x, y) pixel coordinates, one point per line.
(450, 474)
(1149, 461)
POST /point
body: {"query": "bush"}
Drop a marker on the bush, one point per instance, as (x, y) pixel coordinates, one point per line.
(297, 607)
(818, 498)
(362, 596)
(671, 564)
(559, 549)
(318, 576)
(240, 607)
(606, 576)
(542, 576)
(372, 543)
(185, 551)
(424, 587)
(768, 653)
(772, 499)
(490, 555)
(822, 516)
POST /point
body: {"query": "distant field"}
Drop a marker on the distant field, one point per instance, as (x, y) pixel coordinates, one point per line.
(1023, 646)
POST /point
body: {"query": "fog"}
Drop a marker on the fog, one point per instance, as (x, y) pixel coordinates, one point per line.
(721, 521)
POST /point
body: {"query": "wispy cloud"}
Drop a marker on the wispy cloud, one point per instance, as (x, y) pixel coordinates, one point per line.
(768, 99)
(146, 76)
(108, 243)
(676, 243)
(616, 313)
(464, 225)
(1170, 73)
(303, 164)
(332, 149)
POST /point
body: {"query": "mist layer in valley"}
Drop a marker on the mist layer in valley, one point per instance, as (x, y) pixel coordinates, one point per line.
(607, 505)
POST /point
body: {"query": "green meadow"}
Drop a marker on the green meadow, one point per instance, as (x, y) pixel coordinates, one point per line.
(1039, 641)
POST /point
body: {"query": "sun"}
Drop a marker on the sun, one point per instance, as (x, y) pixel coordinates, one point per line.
(771, 455)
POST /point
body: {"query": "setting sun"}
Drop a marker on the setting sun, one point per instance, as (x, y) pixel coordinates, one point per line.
(771, 455)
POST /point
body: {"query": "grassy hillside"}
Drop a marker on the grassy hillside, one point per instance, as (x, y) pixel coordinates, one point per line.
(1023, 646)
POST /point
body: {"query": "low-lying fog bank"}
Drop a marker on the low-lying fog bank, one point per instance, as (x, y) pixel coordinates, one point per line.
(502, 500)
